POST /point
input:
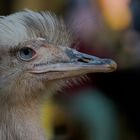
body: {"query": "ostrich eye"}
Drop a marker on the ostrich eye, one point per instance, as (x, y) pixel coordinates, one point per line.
(26, 53)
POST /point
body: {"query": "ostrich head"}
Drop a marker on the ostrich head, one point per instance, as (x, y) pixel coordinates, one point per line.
(35, 56)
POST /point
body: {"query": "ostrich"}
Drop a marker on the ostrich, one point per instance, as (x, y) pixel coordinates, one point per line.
(35, 62)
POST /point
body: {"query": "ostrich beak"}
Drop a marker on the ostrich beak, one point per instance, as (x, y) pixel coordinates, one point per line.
(73, 64)
(90, 63)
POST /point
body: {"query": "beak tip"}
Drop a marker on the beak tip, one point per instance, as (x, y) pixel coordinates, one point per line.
(112, 65)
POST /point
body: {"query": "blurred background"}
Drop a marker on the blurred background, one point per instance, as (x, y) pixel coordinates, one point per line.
(106, 106)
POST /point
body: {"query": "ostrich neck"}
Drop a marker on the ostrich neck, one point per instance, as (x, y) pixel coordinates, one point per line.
(21, 121)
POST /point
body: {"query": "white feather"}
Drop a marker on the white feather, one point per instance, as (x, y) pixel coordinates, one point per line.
(27, 25)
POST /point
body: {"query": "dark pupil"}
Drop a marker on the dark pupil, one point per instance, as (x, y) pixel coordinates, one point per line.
(26, 51)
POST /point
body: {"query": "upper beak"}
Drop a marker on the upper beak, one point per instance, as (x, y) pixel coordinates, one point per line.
(77, 64)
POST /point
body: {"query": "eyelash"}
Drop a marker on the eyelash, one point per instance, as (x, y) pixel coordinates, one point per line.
(13, 51)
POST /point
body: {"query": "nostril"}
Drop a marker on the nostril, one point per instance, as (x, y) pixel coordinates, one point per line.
(84, 60)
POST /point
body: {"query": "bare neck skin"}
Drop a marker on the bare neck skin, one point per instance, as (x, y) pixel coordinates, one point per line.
(21, 121)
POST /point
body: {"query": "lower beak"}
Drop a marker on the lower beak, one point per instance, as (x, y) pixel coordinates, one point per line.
(79, 63)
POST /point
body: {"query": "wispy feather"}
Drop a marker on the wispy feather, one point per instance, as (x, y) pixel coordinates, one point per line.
(26, 25)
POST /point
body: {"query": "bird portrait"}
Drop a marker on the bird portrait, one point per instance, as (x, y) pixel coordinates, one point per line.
(36, 61)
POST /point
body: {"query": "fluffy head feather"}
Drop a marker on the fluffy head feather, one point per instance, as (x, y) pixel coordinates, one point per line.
(26, 25)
